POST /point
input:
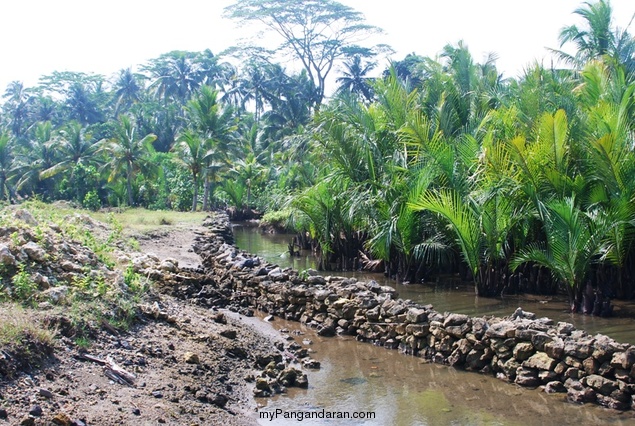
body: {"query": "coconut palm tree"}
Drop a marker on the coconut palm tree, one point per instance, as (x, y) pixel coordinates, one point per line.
(355, 78)
(216, 124)
(191, 150)
(128, 154)
(6, 163)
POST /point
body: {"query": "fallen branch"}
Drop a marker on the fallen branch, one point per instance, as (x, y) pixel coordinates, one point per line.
(111, 369)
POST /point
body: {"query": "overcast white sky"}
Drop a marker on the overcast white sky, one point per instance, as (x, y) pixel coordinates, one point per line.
(38, 37)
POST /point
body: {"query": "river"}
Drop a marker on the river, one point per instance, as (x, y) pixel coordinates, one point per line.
(403, 390)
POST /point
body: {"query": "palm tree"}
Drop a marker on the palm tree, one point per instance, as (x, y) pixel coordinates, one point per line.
(216, 124)
(37, 155)
(16, 107)
(74, 145)
(128, 153)
(598, 39)
(191, 150)
(574, 239)
(6, 163)
(355, 78)
(128, 91)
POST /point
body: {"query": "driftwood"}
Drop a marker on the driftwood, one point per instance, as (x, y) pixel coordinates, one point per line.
(111, 369)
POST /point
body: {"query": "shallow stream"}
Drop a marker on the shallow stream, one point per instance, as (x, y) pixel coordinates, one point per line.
(402, 390)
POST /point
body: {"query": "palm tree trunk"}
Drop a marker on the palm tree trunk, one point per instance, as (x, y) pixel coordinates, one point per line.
(129, 185)
(195, 196)
(206, 188)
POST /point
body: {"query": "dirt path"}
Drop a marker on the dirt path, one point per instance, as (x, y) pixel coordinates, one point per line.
(173, 242)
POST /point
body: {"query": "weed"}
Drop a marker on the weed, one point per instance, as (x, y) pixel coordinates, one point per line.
(82, 342)
(23, 286)
(134, 244)
(16, 239)
(165, 221)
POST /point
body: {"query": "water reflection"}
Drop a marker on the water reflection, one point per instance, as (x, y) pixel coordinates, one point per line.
(403, 391)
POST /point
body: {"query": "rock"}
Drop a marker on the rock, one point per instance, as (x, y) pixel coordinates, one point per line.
(310, 363)
(455, 319)
(28, 421)
(230, 334)
(316, 280)
(3, 413)
(36, 411)
(612, 403)
(624, 360)
(580, 394)
(501, 329)
(578, 349)
(157, 394)
(565, 328)
(191, 358)
(136, 411)
(56, 294)
(601, 384)
(34, 251)
(527, 377)
(6, 258)
(25, 216)
(62, 419)
(540, 361)
(168, 266)
(555, 348)
(416, 315)
(219, 400)
(46, 393)
(555, 387)
(523, 351)
(520, 314)
(262, 384)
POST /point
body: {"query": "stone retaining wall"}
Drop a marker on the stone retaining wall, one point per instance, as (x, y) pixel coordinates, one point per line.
(521, 349)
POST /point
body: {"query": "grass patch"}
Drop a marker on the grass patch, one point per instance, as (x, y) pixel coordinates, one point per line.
(26, 342)
(138, 220)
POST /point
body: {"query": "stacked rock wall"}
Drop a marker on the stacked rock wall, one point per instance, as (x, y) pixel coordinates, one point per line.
(521, 349)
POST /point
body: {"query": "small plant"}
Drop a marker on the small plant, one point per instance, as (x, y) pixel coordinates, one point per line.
(82, 342)
(15, 238)
(165, 221)
(102, 285)
(83, 284)
(39, 234)
(23, 286)
(134, 281)
(303, 275)
(134, 244)
(91, 201)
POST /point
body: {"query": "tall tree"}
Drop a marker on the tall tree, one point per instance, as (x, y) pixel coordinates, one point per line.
(597, 38)
(128, 153)
(355, 78)
(316, 32)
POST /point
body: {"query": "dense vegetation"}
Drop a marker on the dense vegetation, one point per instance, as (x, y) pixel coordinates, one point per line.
(440, 165)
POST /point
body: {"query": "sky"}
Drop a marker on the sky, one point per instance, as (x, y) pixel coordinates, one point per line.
(38, 37)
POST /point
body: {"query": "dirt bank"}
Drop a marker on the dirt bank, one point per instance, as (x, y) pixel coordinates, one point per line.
(176, 363)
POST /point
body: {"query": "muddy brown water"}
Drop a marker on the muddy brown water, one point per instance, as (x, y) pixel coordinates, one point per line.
(403, 390)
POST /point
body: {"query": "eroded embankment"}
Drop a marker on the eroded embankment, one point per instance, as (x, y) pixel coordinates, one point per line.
(521, 349)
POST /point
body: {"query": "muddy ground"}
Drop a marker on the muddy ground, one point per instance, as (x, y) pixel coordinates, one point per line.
(192, 366)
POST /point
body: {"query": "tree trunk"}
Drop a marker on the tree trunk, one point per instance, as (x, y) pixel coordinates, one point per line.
(206, 190)
(195, 196)
(129, 185)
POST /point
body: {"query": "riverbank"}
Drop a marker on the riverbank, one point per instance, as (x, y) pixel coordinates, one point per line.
(521, 349)
(89, 335)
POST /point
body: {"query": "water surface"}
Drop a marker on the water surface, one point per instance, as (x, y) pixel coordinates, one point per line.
(404, 390)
